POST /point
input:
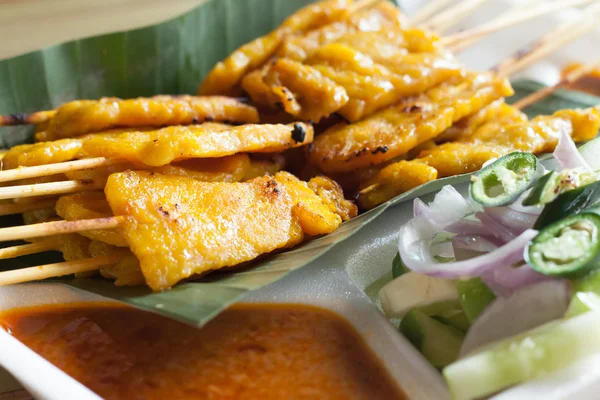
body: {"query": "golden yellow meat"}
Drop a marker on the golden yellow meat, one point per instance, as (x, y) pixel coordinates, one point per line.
(163, 146)
(297, 89)
(489, 141)
(27, 155)
(498, 113)
(79, 117)
(125, 272)
(88, 205)
(339, 78)
(396, 130)
(383, 17)
(178, 227)
(397, 178)
(234, 168)
(225, 77)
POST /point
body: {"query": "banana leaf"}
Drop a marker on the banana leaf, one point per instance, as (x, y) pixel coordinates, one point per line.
(172, 57)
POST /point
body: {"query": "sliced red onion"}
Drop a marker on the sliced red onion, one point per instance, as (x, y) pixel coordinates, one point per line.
(518, 205)
(496, 228)
(525, 309)
(414, 247)
(505, 279)
(420, 208)
(447, 207)
(566, 153)
(473, 243)
(468, 227)
(516, 221)
(466, 246)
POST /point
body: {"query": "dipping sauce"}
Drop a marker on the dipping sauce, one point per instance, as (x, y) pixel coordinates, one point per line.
(251, 351)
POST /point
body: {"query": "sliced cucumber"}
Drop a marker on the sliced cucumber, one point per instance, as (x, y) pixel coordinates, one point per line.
(590, 152)
(449, 313)
(439, 343)
(474, 296)
(525, 356)
(414, 290)
(583, 302)
(587, 294)
(455, 318)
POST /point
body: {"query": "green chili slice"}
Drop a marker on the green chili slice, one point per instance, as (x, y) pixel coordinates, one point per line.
(569, 247)
(501, 182)
(568, 203)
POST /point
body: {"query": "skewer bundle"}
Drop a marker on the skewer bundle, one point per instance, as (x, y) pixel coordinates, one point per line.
(157, 190)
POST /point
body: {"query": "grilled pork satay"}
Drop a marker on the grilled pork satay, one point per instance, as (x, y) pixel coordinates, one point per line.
(295, 88)
(489, 141)
(355, 76)
(225, 77)
(88, 205)
(396, 130)
(384, 17)
(162, 146)
(80, 117)
(498, 112)
(126, 272)
(372, 86)
(178, 227)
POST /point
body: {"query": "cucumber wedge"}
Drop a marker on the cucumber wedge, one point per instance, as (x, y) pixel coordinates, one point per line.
(583, 302)
(540, 351)
(415, 290)
(439, 343)
(590, 152)
(474, 297)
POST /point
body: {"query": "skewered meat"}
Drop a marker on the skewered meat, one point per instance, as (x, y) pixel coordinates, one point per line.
(396, 130)
(489, 141)
(163, 146)
(79, 117)
(297, 89)
(178, 227)
(384, 17)
(225, 77)
(87, 205)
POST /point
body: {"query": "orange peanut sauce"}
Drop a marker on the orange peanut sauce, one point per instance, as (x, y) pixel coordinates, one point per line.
(251, 351)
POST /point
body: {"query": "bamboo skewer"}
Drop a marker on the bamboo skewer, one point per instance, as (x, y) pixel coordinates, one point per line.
(444, 21)
(54, 169)
(432, 8)
(525, 5)
(45, 189)
(361, 4)
(463, 39)
(58, 269)
(27, 119)
(26, 249)
(572, 77)
(549, 43)
(57, 228)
